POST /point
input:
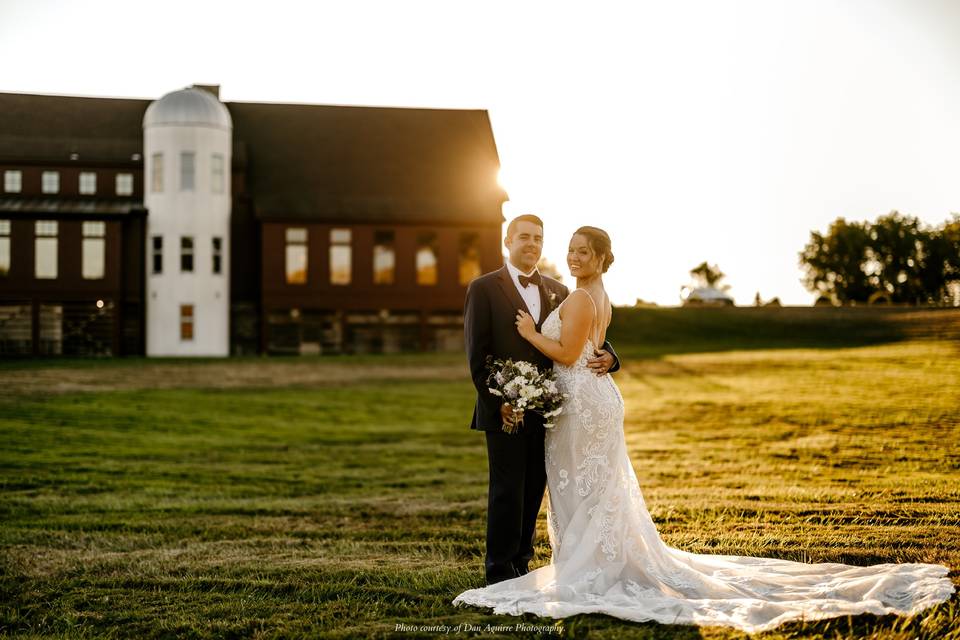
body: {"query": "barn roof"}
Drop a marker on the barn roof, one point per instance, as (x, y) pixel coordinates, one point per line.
(301, 161)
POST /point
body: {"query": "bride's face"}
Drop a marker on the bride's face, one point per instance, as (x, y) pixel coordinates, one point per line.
(580, 257)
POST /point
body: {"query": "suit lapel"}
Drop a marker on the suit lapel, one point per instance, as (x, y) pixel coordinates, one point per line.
(510, 290)
(544, 302)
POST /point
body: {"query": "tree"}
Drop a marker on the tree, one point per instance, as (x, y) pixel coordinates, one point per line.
(897, 245)
(940, 264)
(836, 263)
(895, 258)
(708, 276)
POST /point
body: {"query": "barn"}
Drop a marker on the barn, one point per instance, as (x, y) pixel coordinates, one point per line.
(189, 226)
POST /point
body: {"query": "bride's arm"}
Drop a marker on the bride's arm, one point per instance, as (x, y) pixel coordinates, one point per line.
(577, 315)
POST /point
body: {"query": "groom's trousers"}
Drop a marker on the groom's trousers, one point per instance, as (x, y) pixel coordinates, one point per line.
(518, 478)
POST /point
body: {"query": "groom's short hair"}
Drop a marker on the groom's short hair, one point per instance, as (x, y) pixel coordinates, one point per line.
(527, 217)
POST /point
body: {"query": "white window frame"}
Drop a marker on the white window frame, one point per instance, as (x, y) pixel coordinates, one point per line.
(5, 247)
(156, 173)
(46, 239)
(216, 173)
(341, 247)
(188, 171)
(88, 183)
(50, 182)
(13, 181)
(94, 244)
(296, 251)
(124, 184)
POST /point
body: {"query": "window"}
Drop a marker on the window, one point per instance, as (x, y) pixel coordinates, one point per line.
(88, 183)
(186, 322)
(4, 248)
(296, 255)
(384, 257)
(427, 259)
(186, 170)
(50, 182)
(216, 173)
(157, 254)
(94, 250)
(340, 256)
(186, 254)
(217, 255)
(45, 249)
(156, 173)
(124, 184)
(12, 181)
(469, 257)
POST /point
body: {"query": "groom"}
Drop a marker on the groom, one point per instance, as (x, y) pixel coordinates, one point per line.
(517, 470)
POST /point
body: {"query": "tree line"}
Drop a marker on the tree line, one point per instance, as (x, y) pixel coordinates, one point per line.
(894, 259)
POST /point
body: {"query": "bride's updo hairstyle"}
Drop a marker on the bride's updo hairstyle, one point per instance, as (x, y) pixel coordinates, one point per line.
(599, 243)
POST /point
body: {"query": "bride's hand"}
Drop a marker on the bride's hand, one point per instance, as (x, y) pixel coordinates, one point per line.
(525, 324)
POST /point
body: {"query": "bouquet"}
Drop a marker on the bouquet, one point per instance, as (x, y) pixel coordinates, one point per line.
(524, 387)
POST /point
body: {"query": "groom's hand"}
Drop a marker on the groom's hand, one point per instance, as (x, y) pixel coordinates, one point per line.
(507, 414)
(601, 363)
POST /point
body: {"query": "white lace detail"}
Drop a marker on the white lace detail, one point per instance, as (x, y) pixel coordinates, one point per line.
(608, 556)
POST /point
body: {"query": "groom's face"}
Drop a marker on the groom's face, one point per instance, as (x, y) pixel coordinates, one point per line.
(525, 245)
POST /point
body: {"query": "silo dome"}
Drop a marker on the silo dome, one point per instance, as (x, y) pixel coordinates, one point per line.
(189, 107)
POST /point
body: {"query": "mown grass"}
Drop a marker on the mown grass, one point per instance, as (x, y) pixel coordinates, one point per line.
(344, 510)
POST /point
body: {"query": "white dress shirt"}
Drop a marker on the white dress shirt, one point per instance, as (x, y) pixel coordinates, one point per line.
(529, 293)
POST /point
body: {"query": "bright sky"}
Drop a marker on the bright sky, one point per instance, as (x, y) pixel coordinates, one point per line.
(690, 130)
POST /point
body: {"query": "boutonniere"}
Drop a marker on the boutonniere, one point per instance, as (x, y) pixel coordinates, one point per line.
(552, 299)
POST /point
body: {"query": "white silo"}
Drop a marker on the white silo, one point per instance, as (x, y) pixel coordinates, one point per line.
(187, 150)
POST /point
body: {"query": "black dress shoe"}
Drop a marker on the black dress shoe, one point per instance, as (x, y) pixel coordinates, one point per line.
(500, 578)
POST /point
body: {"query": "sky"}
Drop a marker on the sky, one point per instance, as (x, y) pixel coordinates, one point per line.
(689, 130)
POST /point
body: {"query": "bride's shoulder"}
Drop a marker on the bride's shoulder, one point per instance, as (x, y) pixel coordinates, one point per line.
(581, 299)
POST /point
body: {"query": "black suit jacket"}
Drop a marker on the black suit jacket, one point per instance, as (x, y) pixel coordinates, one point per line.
(489, 325)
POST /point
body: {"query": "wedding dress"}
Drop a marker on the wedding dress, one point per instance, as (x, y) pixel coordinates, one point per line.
(608, 556)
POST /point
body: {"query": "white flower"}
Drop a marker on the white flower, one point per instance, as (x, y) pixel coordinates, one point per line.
(526, 369)
(494, 392)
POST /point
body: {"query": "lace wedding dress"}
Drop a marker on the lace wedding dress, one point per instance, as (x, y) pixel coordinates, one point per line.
(608, 557)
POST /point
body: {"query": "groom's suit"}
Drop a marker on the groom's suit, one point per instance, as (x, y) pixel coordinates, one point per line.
(517, 469)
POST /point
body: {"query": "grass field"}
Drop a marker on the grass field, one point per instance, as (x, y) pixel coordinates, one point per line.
(335, 497)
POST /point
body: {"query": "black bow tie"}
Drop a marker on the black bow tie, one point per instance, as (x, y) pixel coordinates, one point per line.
(534, 278)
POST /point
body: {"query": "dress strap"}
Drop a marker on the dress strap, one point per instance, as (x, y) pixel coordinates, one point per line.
(596, 319)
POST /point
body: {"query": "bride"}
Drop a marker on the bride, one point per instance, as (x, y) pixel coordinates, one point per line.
(607, 555)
